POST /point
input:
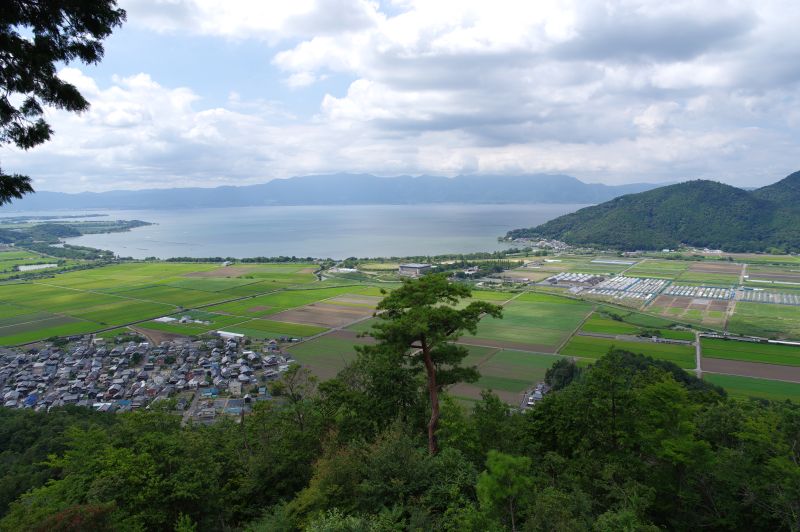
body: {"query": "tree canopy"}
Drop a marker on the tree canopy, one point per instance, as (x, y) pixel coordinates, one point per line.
(36, 37)
(420, 323)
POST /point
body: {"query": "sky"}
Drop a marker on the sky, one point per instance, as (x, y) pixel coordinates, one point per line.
(208, 93)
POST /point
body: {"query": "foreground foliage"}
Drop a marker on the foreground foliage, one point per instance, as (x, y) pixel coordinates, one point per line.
(622, 445)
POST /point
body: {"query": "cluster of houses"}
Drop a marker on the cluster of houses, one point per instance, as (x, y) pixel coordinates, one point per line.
(127, 376)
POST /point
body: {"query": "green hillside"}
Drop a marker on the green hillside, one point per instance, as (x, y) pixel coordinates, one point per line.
(698, 213)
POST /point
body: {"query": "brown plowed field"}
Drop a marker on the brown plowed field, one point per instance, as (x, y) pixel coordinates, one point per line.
(156, 337)
(355, 300)
(752, 369)
(323, 315)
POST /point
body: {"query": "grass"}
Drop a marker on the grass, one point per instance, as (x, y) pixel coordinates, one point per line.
(751, 352)
(747, 387)
(586, 347)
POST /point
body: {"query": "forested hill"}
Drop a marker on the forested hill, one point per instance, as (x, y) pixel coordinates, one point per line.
(697, 213)
(345, 189)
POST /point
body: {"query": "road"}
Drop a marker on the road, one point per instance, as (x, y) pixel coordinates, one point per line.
(698, 356)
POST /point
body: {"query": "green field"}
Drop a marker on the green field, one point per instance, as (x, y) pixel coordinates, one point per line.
(284, 300)
(597, 323)
(587, 347)
(659, 269)
(539, 320)
(506, 372)
(708, 279)
(784, 355)
(760, 319)
(747, 387)
(88, 300)
(326, 355)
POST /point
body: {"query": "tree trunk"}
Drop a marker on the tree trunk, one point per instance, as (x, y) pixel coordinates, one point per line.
(433, 393)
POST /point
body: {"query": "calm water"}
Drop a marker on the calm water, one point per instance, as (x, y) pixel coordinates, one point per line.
(318, 231)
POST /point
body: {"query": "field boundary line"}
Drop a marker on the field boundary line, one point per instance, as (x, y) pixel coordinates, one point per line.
(576, 329)
(750, 377)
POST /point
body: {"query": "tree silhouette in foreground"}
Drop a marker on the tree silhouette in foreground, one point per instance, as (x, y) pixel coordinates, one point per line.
(419, 325)
(35, 37)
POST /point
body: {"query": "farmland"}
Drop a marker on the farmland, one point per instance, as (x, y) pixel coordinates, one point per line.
(590, 347)
(785, 355)
(286, 300)
(747, 387)
(534, 322)
(94, 299)
(771, 321)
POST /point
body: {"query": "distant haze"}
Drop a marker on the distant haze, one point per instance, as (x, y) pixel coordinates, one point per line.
(344, 189)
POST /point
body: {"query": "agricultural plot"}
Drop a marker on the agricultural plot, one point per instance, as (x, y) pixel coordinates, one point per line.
(532, 322)
(588, 347)
(598, 265)
(601, 325)
(262, 329)
(748, 387)
(708, 278)
(770, 321)
(59, 326)
(660, 269)
(88, 300)
(507, 373)
(281, 300)
(786, 276)
(524, 275)
(710, 312)
(327, 355)
(323, 315)
(764, 353)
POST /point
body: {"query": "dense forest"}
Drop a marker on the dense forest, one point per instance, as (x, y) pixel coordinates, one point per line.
(628, 443)
(697, 213)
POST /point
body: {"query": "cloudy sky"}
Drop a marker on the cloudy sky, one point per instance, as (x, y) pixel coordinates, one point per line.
(206, 92)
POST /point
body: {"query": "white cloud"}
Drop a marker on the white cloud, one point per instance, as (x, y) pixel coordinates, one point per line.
(615, 91)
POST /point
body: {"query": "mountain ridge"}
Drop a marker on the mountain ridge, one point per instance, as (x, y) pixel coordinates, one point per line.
(344, 189)
(699, 213)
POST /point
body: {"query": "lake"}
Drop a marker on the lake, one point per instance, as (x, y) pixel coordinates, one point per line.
(317, 231)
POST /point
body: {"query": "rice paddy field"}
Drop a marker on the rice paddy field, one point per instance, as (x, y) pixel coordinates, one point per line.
(784, 355)
(591, 347)
(101, 298)
(506, 372)
(287, 300)
(658, 269)
(770, 321)
(533, 322)
(747, 387)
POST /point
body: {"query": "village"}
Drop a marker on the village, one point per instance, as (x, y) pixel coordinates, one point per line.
(203, 379)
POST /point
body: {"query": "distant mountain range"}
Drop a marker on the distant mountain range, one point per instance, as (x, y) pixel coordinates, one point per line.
(698, 213)
(344, 189)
